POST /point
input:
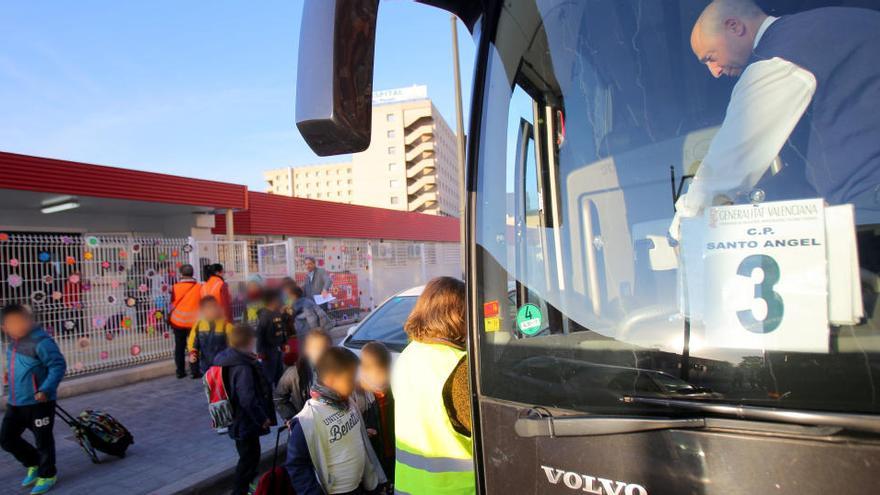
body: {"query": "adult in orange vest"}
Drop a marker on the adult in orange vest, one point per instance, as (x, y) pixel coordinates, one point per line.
(184, 313)
(217, 287)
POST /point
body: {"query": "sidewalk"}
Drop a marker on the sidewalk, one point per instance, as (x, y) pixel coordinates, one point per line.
(173, 441)
(174, 446)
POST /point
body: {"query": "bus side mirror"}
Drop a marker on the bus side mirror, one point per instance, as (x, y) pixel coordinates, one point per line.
(335, 75)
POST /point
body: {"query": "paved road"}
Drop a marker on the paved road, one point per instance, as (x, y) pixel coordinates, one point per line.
(173, 440)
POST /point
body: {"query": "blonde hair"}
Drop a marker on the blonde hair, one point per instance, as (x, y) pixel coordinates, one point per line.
(440, 313)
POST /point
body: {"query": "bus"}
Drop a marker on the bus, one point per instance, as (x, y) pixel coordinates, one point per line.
(667, 294)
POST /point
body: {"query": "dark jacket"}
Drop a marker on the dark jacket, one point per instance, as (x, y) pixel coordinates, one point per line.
(293, 389)
(249, 394)
(33, 364)
(299, 463)
(383, 442)
(309, 315)
(273, 330)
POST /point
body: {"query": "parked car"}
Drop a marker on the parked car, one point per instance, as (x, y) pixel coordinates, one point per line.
(385, 323)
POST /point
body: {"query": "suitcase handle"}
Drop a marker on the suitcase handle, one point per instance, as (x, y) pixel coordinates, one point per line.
(65, 416)
(277, 443)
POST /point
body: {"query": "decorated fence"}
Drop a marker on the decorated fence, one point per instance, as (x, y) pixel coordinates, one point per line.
(103, 298)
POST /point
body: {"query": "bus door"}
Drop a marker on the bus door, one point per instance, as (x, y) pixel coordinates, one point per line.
(620, 348)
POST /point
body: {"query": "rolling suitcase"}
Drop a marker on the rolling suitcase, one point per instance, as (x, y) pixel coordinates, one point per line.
(275, 481)
(97, 431)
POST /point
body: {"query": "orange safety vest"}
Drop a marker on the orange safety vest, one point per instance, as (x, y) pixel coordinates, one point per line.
(185, 298)
(216, 286)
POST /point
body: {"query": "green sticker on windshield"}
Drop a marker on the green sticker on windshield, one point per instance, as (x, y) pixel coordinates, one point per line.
(528, 319)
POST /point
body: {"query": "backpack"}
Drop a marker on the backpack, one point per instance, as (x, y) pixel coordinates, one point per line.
(219, 406)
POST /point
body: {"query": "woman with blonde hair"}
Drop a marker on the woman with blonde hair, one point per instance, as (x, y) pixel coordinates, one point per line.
(432, 404)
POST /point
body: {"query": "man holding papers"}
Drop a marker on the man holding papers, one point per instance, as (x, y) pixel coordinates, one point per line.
(318, 283)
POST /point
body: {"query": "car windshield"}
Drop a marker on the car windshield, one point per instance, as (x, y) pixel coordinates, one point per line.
(645, 224)
(386, 324)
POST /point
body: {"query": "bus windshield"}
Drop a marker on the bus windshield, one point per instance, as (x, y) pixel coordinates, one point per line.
(648, 222)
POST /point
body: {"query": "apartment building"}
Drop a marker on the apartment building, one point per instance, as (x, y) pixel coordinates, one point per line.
(411, 164)
(329, 182)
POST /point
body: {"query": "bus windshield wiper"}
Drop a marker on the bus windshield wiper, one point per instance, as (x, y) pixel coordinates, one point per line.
(539, 422)
(856, 422)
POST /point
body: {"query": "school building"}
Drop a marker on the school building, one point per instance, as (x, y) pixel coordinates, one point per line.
(95, 249)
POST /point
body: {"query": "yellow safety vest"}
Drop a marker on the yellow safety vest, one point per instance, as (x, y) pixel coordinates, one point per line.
(432, 458)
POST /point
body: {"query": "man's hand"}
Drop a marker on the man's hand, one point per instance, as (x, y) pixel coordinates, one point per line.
(371, 432)
(325, 293)
(267, 424)
(41, 397)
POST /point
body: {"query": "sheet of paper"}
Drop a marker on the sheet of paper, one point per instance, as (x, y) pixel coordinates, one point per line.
(756, 276)
(845, 292)
(319, 299)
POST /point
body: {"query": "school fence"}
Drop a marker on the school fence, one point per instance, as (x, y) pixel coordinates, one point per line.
(102, 297)
(105, 297)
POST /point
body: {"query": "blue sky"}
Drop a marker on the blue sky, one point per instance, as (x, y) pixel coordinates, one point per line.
(198, 88)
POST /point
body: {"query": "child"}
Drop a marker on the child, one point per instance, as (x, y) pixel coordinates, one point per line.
(294, 388)
(375, 382)
(35, 367)
(254, 297)
(251, 400)
(273, 329)
(208, 336)
(307, 314)
(329, 451)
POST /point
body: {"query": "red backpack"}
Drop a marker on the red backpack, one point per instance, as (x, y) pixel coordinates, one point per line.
(218, 400)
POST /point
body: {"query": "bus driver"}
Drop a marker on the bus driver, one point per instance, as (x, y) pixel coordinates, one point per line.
(826, 60)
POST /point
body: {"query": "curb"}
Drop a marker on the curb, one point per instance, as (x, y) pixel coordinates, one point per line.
(110, 379)
(218, 479)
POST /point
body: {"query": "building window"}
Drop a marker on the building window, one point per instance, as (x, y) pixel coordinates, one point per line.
(319, 195)
(395, 200)
(349, 181)
(390, 117)
(391, 134)
(307, 174)
(392, 150)
(328, 183)
(393, 183)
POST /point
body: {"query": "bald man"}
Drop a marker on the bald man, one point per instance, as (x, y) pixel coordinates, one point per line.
(826, 61)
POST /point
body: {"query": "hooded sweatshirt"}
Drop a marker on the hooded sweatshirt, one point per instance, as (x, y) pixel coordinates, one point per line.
(249, 394)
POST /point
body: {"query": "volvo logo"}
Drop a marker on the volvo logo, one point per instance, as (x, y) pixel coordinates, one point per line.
(591, 484)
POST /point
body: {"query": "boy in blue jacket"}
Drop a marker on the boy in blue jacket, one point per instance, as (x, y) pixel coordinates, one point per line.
(34, 368)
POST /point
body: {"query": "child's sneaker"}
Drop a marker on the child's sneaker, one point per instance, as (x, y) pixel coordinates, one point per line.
(44, 485)
(31, 477)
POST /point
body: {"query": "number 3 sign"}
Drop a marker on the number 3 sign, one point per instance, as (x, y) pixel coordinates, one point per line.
(756, 276)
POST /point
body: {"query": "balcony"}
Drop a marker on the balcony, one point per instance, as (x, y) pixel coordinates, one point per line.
(425, 182)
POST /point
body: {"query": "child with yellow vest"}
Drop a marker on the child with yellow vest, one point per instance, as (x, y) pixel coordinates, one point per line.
(208, 336)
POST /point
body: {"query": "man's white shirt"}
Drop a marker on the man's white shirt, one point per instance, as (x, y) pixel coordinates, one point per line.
(766, 104)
